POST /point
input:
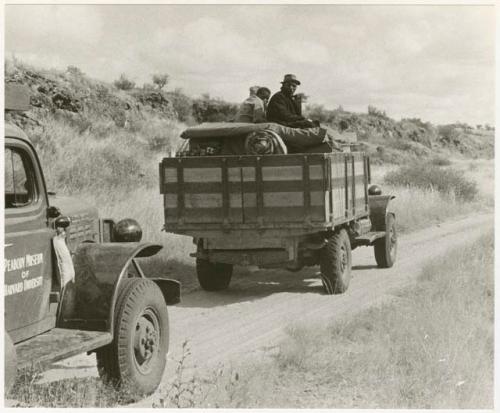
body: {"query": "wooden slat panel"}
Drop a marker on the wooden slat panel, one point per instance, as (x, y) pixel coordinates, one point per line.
(317, 198)
(288, 214)
(202, 200)
(285, 160)
(205, 215)
(268, 186)
(248, 173)
(287, 186)
(234, 174)
(203, 174)
(281, 199)
(316, 172)
(292, 199)
(170, 175)
(282, 173)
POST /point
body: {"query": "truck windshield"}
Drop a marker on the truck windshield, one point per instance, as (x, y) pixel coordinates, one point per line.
(19, 182)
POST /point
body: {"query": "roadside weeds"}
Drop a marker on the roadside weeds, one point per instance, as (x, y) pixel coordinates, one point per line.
(431, 347)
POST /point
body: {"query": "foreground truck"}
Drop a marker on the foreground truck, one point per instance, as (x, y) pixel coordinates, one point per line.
(271, 208)
(72, 281)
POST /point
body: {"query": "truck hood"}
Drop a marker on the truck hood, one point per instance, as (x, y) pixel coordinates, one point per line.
(84, 217)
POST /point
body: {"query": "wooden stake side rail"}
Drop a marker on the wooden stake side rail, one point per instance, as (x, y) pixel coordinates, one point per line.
(260, 192)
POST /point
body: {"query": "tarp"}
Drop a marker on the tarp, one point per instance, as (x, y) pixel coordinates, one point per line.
(223, 129)
(296, 139)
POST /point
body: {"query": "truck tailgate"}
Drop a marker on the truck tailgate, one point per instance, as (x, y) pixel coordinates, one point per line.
(300, 190)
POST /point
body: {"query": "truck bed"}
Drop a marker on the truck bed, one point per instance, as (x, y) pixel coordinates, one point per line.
(301, 192)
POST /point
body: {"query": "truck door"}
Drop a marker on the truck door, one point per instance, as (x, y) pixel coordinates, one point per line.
(28, 257)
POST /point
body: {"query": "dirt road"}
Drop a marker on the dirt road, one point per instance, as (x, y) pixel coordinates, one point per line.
(248, 320)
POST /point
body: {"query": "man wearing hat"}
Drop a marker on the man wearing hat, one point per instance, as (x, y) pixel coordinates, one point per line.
(282, 107)
(301, 134)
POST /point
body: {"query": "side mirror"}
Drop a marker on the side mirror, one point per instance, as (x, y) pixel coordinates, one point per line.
(62, 222)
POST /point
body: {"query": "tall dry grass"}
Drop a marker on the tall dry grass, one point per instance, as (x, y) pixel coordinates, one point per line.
(105, 166)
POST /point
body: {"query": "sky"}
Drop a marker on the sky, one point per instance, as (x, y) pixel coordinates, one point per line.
(432, 62)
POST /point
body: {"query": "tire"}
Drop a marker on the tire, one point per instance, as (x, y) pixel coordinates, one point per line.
(336, 263)
(386, 248)
(213, 276)
(140, 316)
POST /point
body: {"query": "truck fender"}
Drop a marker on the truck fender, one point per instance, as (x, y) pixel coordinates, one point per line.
(380, 206)
(88, 302)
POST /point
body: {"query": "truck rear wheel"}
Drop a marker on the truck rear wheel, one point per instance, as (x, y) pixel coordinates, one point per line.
(336, 262)
(386, 248)
(137, 356)
(213, 276)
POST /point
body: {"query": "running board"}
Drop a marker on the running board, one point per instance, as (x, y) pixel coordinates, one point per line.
(369, 237)
(58, 344)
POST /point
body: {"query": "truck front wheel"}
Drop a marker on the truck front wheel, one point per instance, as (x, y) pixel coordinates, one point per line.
(137, 356)
(335, 263)
(213, 276)
(386, 248)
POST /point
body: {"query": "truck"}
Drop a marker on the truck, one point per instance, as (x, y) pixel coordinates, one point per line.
(73, 281)
(247, 199)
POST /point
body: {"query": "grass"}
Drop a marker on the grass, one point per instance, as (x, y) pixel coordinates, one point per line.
(427, 175)
(432, 347)
(109, 166)
(83, 392)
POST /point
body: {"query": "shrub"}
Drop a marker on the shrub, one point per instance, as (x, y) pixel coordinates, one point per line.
(209, 109)
(372, 110)
(448, 132)
(182, 104)
(74, 71)
(440, 161)
(160, 80)
(428, 176)
(123, 83)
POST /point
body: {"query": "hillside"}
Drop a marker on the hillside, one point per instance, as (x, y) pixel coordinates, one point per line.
(123, 130)
(398, 142)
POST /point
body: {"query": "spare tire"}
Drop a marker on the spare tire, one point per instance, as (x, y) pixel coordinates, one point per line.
(264, 142)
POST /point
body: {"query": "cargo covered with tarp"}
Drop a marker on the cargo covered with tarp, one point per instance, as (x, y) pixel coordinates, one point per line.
(256, 139)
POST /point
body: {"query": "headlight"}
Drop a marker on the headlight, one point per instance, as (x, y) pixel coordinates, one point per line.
(127, 230)
(374, 190)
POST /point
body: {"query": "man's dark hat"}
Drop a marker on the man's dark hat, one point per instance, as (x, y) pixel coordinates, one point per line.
(291, 78)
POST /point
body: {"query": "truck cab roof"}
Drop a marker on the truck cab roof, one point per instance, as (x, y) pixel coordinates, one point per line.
(13, 131)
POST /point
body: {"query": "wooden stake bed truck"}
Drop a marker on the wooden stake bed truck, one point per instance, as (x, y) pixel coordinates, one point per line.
(72, 281)
(273, 210)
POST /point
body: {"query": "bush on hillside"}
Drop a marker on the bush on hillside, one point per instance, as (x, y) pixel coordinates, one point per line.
(440, 161)
(124, 83)
(428, 176)
(209, 109)
(160, 80)
(448, 133)
(372, 110)
(183, 105)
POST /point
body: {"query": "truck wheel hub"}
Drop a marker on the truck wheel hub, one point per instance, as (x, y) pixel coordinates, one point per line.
(145, 340)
